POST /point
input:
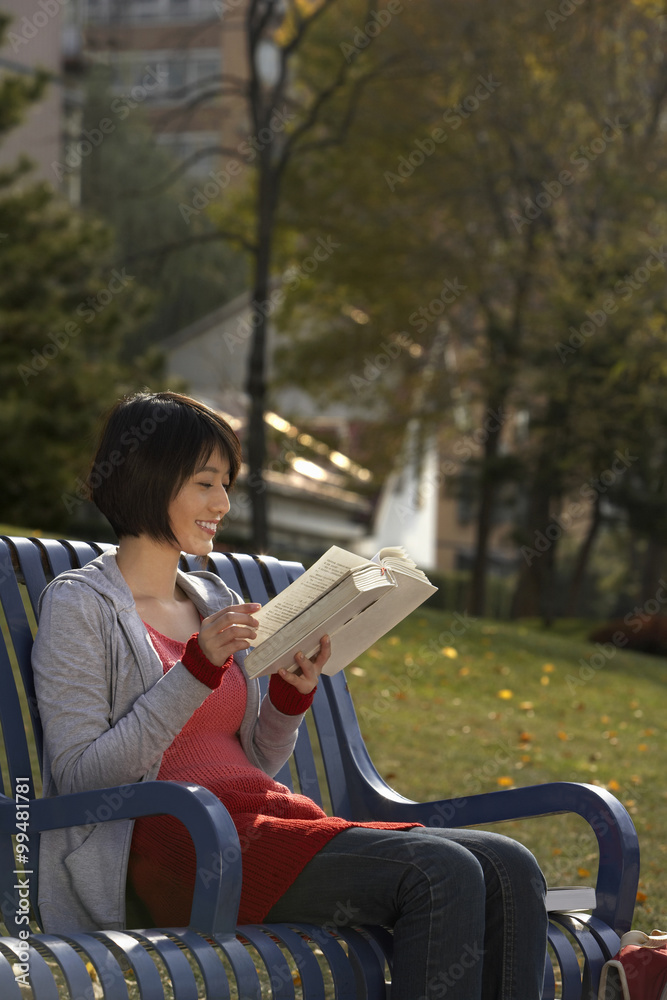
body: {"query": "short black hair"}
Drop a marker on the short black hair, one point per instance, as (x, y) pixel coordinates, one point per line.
(151, 444)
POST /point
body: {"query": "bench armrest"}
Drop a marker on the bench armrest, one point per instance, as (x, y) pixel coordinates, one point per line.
(218, 884)
(369, 797)
(618, 844)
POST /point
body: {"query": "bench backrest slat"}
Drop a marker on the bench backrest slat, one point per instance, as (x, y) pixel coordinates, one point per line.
(20, 636)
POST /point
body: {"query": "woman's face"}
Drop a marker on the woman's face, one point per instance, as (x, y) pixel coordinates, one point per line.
(200, 504)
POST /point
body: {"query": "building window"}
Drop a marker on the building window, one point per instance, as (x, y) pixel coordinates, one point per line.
(138, 11)
(179, 8)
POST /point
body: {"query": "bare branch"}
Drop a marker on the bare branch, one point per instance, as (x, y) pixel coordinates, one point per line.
(205, 95)
(182, 168)
(169, 248)
(322, 98)
(304, 25)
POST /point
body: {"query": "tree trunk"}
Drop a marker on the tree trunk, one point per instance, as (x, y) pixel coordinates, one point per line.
(477, 596)
(256, 380)
(582, 560)
(652, 571)
(533, 596)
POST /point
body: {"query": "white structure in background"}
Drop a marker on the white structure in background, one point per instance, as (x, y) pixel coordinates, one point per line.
(407, 511)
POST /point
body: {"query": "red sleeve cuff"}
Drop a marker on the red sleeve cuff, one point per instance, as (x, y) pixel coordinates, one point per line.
(200, 666)
(287, 699)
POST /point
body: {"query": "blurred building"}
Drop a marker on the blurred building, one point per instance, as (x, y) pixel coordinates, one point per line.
(34, 41)
(172, 57)
(168, 57)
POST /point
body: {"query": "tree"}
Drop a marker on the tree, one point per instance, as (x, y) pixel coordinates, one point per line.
(64, 311)
(190, 270)
(536, 196)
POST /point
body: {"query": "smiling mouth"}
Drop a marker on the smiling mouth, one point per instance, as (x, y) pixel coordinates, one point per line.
(209, 527)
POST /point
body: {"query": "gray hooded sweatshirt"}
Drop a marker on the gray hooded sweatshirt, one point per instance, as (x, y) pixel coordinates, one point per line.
(109, 712)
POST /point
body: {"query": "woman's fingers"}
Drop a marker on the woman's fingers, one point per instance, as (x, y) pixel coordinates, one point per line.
(310, 669)
(241, 613)
(228, 631)
(323, 653)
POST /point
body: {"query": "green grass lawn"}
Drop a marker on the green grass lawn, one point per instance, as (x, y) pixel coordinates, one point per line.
(505, 704)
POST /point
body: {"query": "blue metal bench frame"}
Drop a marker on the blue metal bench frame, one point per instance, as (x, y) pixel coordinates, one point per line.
(354, 959)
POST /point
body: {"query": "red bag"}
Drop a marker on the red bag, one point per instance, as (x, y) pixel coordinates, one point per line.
(638, 971)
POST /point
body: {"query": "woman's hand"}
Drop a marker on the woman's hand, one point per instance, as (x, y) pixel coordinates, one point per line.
(228, 631)
(310, 669)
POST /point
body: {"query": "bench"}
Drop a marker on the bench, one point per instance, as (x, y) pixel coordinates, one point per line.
(214, 958)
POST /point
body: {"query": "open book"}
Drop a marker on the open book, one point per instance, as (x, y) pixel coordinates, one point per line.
(351, 599)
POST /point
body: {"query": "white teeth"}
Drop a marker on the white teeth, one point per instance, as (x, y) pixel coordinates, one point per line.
(211, 525)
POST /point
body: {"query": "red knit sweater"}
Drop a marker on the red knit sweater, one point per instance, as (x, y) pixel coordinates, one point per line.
(279, 831)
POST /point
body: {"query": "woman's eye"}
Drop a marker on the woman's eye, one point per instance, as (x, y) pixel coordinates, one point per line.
(209, 485)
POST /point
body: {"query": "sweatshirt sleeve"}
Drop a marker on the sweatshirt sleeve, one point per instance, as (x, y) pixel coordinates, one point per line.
(92, 738)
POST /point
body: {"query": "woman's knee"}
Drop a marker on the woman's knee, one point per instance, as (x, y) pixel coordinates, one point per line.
(444, 865)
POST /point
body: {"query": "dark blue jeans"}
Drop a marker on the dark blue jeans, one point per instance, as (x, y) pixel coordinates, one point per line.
(466, 907)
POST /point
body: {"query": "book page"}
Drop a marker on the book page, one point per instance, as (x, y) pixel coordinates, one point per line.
(322, 575)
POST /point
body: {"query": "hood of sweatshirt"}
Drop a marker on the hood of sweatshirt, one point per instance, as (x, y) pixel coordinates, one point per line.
(103, 575)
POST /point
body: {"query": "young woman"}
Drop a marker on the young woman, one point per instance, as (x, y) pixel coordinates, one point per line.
(139, 675)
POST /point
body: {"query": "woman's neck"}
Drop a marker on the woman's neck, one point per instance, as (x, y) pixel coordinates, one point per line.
(149, 567)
